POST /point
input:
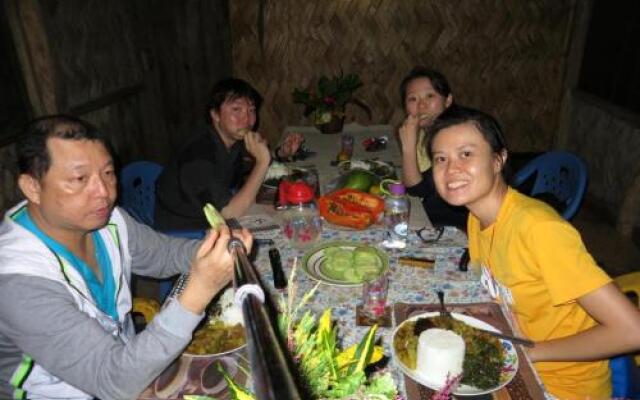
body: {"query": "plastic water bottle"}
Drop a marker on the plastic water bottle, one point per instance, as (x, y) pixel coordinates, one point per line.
(396, 216)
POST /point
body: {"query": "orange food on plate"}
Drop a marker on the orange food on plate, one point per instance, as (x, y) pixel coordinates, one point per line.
(351, 208)
(360, 200)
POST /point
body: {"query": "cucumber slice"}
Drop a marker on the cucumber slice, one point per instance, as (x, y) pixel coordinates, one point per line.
(362, 258)
(337, 275)
(368, 270)
(335, 269)
(215, 219)
(352, 275)
(341, 254)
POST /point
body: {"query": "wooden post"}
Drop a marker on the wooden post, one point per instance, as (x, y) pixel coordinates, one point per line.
(34, 55)
(581, 17)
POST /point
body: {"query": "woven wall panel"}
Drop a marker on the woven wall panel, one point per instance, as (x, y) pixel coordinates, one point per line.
(94, 46)
(504, 56)
(165, 54)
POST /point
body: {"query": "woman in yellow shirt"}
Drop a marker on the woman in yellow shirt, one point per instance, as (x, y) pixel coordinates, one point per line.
(533, 260)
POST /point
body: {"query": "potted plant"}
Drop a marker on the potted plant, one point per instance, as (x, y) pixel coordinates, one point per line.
(325, 103)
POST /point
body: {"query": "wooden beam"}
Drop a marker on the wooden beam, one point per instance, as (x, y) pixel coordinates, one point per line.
(106, 100)
(580, 19)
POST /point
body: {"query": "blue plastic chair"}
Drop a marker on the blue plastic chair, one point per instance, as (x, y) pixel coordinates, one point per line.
(138, 189)
(625, 373)
(625, 377)
(138, 197)
(558, 173)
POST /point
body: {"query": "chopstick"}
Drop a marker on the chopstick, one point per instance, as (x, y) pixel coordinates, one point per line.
(233, 223)
(264, 228)
(416, 262)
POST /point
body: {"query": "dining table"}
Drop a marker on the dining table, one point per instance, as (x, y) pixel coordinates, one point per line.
(411, 289)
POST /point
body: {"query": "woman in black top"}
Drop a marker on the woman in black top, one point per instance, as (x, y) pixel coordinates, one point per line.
(425, 95)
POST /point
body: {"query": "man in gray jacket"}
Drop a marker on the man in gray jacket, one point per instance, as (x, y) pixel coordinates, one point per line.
(66, 258)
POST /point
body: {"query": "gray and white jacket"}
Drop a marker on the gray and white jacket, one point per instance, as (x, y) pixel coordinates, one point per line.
(54, 341)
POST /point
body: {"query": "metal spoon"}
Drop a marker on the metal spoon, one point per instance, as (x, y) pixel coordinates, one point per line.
(443, 309)
(518, 340)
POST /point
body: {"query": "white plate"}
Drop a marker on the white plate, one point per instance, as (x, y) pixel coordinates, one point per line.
(223, 353)
(509, 369)
(314, 258)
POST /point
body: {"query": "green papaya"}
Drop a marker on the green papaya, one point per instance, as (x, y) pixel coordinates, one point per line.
(359, 180)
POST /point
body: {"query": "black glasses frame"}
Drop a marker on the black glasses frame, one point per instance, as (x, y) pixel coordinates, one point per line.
(422, 232)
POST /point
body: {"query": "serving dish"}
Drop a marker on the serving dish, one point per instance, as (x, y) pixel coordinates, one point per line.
(216, 335)
(380, 169)
(315, 264)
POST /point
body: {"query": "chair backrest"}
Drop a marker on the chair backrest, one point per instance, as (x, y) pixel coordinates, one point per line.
(624, 371)
(138, 189)
(138, 197)
(559, 173)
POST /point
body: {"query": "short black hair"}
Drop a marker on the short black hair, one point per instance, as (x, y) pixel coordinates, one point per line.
(488, 127)
(231, 89)
(438, 81)
(456, 115)
(33, 155)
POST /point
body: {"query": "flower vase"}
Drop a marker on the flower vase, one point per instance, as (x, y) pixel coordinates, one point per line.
(333, 126)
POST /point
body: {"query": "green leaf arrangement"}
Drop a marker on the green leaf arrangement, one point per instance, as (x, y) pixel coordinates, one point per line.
(330, 372)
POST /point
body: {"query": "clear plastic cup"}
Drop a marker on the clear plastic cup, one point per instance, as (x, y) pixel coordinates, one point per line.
(374, 296)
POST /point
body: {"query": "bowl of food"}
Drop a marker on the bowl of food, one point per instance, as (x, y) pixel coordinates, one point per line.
(276, 171)
(217, 341)
(380, 169)
(432, 350)
(223, 330)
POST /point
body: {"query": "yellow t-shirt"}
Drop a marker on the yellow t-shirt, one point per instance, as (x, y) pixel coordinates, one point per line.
(541, 260)
(423, 158)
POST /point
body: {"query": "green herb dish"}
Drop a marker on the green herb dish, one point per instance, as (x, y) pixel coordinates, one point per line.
(344, 263)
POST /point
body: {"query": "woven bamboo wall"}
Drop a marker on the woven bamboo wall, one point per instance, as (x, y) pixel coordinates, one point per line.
(140, 70)
(506, 57)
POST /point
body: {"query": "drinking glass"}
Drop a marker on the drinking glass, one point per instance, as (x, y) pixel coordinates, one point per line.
(346, 141)
(374, 296)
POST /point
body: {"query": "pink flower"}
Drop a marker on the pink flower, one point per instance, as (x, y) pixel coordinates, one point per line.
(329, 100)
(450, 385)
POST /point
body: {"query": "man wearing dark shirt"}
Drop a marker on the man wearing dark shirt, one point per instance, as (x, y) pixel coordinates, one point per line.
(210, 169)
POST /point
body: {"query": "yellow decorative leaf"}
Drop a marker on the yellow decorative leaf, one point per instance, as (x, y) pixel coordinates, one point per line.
(364, 350)
(347, 355)
(324, 324)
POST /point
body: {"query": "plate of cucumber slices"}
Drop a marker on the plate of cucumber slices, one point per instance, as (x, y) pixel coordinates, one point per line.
(344, 263)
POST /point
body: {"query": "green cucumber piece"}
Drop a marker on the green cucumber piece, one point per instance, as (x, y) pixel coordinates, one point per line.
(215, 219)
